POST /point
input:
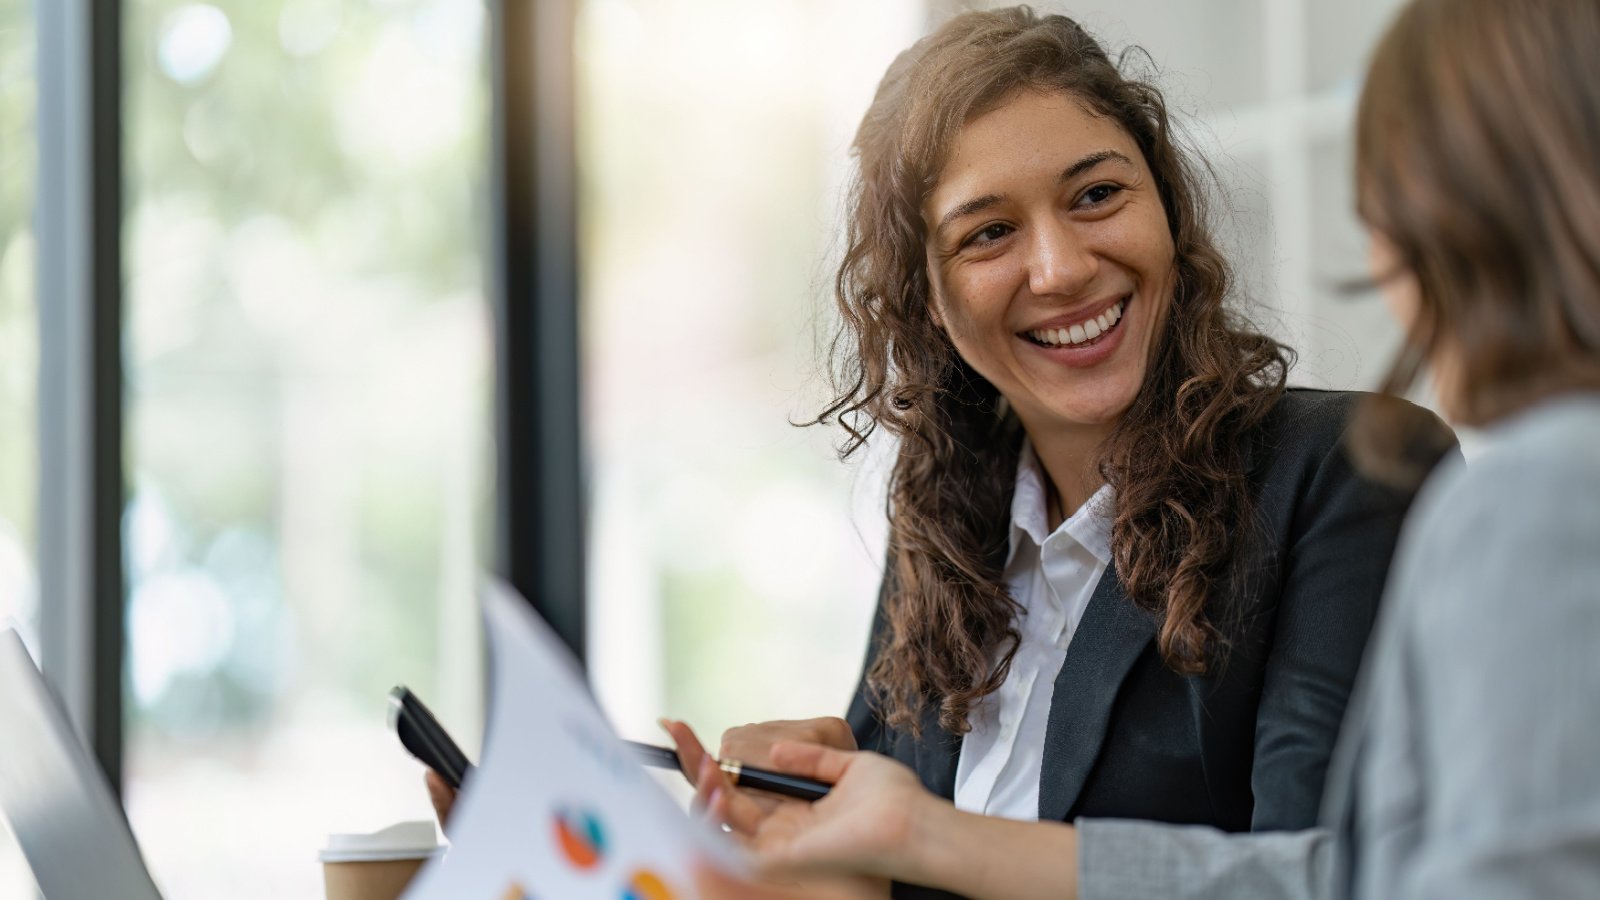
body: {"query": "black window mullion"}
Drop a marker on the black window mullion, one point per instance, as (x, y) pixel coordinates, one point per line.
(539, 496)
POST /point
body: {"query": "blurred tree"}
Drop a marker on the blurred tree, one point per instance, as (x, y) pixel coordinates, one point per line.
(304, 181)
(19, 339)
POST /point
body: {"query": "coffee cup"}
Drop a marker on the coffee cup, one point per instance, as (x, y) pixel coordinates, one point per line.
(376, 866)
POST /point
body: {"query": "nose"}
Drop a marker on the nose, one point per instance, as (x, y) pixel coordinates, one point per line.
(1060, 261)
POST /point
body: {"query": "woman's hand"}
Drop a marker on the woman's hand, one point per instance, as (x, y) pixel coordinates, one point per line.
(752, 744)
(879, 821)
(702, 771)
(860, 828)
(442, 795)
(865, 825)
(742, 810)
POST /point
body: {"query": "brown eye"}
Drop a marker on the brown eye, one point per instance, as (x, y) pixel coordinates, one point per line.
(988, 234)
(1099, 194)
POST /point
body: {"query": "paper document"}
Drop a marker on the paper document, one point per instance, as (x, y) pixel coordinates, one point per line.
(558, 809)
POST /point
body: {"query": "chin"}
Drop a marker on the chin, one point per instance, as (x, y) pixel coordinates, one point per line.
(1091, 417)
(1107, 408)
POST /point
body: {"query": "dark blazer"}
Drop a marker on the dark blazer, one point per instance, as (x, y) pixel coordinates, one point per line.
(1246, 746)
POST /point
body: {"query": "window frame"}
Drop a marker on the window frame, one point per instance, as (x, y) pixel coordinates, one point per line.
(539, 498)
(82, 485)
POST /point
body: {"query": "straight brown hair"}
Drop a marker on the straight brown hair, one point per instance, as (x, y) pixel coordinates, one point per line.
(1478, 157)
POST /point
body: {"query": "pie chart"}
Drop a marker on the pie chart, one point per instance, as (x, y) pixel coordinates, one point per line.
(580, 838)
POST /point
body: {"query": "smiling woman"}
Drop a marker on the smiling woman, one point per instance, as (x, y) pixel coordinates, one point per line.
(1061, 197)
(1131, 573)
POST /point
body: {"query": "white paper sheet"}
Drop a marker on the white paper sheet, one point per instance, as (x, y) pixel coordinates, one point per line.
(558, 809)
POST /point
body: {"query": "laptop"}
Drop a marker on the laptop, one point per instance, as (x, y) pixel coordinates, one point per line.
(61, 809)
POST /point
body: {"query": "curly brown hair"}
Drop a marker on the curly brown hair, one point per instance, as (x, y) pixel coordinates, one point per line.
(1176, 458)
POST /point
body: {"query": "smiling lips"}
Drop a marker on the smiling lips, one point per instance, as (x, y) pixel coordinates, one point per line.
(1082, 332)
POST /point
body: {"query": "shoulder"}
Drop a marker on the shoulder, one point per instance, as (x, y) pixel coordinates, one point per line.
(1500, 550)
(1307, 481)
(1303, 427)
(1552, 441)
(1537, 476)
(1306, 430)
(1314, 422)
(1310, 407)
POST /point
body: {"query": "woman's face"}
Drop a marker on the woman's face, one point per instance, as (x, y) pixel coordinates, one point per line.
(1051, 260)
(1397, 282)
(1402, 293)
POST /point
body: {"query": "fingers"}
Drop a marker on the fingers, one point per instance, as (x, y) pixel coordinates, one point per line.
(752, 743)
(717, 797)
(835, 732)
(715, 794)
(775, 841)
(811, 760)
(441, 795)
(690, 751)
(749, 743)
(740, 811)
(709, 780)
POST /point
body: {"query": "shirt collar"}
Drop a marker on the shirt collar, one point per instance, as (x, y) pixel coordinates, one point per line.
(1089, 525)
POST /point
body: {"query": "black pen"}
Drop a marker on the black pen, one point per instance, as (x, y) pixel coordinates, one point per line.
(742, 775)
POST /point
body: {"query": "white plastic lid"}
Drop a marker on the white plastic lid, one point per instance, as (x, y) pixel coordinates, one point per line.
(407, 840)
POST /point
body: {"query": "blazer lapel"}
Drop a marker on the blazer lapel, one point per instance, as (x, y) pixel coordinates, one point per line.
(1110, 637)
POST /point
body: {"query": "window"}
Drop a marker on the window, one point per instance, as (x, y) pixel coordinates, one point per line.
(732, 579)
(19, 356)
(19, 331)
(308, 363)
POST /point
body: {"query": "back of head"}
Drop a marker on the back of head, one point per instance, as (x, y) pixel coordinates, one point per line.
(1478, 157)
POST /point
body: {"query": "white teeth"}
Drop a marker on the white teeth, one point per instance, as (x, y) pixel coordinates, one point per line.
(1084, 331)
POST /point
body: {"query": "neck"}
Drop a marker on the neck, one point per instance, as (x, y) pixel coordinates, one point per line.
(1070, 458)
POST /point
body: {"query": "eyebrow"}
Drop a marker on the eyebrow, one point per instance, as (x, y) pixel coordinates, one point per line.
(979, 204)
(1089, 162)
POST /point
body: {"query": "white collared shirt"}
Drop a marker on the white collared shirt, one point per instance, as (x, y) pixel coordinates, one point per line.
(1053, 575)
